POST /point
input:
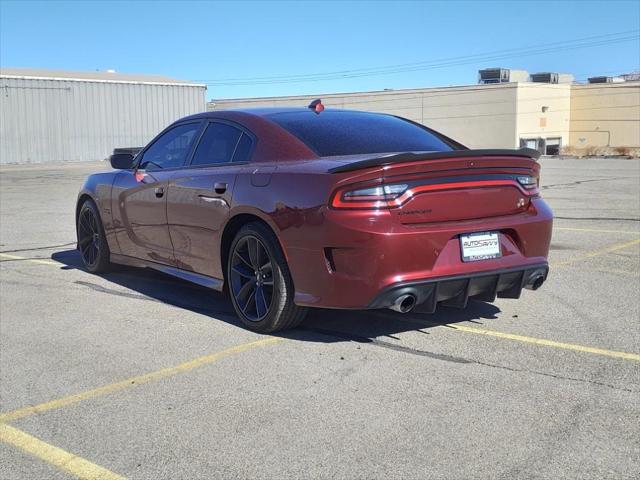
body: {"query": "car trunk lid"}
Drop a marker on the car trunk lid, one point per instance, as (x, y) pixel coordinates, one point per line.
(461, 188)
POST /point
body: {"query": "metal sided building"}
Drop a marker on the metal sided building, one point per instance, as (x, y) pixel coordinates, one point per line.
(54, 116)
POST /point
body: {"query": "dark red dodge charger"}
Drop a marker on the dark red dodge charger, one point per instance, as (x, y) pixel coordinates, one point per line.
(305, 207)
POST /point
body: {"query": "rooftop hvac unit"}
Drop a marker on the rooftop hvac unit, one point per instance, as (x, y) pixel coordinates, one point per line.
(501, 75)
(631, 77)
(545, 77)
(606, 80)
(552, 77)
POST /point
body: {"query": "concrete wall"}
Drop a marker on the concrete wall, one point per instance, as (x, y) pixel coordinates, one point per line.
(544, 111)
(605, 115)
(479, 116)
(498, 116)
(46, 120)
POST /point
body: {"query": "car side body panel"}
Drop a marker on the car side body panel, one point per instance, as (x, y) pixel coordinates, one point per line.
(197, 213)
(140, 216)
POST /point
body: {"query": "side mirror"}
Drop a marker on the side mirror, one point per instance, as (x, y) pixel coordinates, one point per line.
(122, 161)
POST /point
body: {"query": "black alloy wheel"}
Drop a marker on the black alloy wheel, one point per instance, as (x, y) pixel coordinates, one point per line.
(92, 242)
(259, 281)
(251, 277)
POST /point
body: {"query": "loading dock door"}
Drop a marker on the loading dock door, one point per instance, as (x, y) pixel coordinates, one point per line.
(553, 146)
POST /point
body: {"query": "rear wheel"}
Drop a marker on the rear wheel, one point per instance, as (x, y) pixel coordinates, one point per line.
(260, 282)
(92, 241)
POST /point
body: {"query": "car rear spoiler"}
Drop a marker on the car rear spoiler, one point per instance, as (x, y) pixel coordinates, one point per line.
(415, 157)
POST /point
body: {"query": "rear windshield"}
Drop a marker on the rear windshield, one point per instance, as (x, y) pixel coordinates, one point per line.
(350, 133)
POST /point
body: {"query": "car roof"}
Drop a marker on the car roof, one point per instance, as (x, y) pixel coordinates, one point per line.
(264, 112)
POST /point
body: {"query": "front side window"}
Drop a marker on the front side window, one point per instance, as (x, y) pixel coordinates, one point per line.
(219, 144)
(171, 149)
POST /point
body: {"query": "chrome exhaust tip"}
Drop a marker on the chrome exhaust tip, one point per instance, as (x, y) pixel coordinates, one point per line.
(404, 303)
(535, 281)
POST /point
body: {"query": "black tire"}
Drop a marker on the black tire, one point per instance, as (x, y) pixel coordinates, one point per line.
(258, 276)
(92, 241)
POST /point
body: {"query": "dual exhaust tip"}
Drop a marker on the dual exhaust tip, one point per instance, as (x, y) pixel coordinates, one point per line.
(535, 281)
(405, 303)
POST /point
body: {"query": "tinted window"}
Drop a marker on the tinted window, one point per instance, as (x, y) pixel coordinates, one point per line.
(171, 149)
(349, 133)
(243, 149)
(217, 144)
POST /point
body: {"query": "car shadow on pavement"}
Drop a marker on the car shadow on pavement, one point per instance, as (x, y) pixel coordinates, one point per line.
(321, 325)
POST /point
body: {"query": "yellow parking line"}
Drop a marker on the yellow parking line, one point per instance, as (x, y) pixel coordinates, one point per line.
(62, 459)
(616, 272)
(594, 230)
(597, 253)
(547, 343)
(134, 381)
(30, 260)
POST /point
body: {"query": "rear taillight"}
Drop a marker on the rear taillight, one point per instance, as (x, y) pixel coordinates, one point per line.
(396, 194)
(370, 197)
(528, 182)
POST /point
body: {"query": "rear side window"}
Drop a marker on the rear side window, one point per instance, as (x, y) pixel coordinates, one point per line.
(243, 150)
(350, 133)
(218, 145)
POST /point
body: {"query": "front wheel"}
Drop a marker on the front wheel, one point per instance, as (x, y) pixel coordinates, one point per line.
(260, 282)
(92, 241)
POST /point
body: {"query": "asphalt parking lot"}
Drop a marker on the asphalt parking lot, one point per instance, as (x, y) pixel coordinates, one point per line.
(137, 375)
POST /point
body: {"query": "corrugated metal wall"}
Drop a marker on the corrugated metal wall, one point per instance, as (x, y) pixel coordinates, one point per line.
(57, 120)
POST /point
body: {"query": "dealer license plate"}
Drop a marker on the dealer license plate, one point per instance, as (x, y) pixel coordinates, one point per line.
(480, 246)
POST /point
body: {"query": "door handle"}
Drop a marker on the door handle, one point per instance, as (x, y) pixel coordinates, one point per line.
(220, 187)
(159, 191)
(216, 200)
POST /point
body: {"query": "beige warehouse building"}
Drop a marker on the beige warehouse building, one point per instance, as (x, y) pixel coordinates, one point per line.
(507, 114)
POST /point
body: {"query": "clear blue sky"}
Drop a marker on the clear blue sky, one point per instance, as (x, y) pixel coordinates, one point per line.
(208, 41)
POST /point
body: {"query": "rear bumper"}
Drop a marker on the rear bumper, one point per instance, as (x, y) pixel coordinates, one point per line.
(456, 291)
(350, 260)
